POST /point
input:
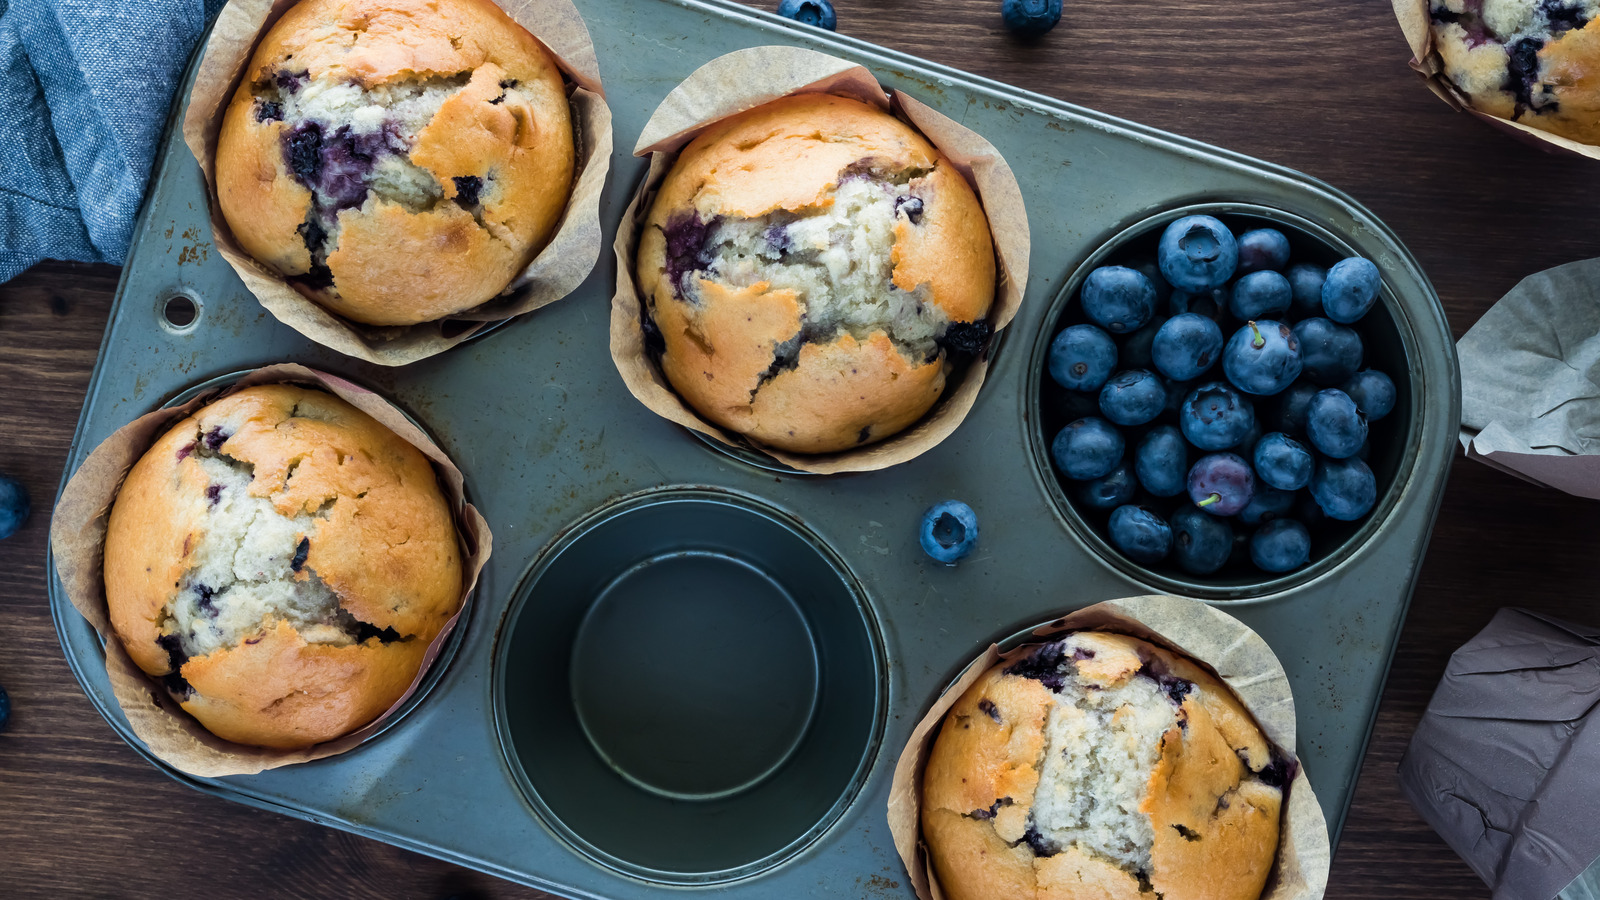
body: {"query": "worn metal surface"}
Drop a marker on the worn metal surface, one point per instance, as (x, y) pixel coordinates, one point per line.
(541, 424)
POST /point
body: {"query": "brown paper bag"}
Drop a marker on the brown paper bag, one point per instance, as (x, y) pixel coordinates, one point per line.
(77, 539)
(1223, 644)
(1418, 28)
(746, 79)
(554, 273)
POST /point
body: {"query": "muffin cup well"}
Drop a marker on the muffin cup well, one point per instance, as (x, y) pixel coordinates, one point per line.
(741, 81)
(557, 270)
(1425, 61)
(77, 540)
(1212, 638)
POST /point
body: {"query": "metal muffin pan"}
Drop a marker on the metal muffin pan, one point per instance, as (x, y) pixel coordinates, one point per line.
(553, 444)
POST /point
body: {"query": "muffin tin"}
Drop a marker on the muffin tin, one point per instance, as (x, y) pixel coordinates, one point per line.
(520, 761)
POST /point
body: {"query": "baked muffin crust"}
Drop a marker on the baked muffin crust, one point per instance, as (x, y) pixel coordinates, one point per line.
(396, 160)
(813, 269)
(1536, 62)
(281, 561)
(1101, 766)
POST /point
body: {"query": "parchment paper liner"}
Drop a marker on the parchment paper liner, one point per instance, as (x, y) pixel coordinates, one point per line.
(1222, 644)
(1530, 401)
(77, 539)
(746, 79)
(1414, 21)
(555, 272)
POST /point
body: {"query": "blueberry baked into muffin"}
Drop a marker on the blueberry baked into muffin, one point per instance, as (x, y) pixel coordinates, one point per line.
(1101, 766)
(396, 160)
(812, 272)
(1536, 62)
(281, 562)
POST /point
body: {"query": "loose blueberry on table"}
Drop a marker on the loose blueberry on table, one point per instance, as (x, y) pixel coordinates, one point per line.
(1217, 403)
(810, 12)
(1030, 18)
(14, 506)
(949, 531)
(5, 709)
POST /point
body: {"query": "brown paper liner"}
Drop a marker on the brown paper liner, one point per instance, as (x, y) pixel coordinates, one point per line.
(746, 79)
(1207, 635)
(77, 539)
(1425, 61)
(554, 273)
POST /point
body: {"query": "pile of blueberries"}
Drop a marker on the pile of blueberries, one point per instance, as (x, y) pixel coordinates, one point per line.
(1216, 400)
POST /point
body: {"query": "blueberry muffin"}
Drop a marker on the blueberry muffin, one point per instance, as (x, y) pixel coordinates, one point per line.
(812, 271)
(1536, 62)
(281, 562)
(396, 160)
(1101, 766)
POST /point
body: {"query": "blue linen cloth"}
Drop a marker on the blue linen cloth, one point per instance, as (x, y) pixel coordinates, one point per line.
(85, 89)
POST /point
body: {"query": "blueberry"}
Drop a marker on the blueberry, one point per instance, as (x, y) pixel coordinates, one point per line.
(1262, 357)
(1150, 270)
(1289, 415)
(5, 709)
(1087, 449)
(1329, 352)
(1118, 299)
(1161, 461)
(1282, 545)
(1344, 488)
(949, 531)
(1246, 446)
(1138, 348)
(1263, 248)
(1283, 462)
(14, 506)
(1197, 253)
(1335, 425)
(1201, 544)
(1111, 491)
(1213, 303)
(1351, 289)
(1307, 511)
(1072, 405)
(818, 13)
(1221, 483)
(1266, 504)
(1260, 295)
(1215, 417)
(1177, 391)
(1186, 346)
(1133, 397)
(1140, 534)
(1305, 286)
(963, 340)
(1030, 18)
(1373, 393)
(1082, 358)
(468, 187)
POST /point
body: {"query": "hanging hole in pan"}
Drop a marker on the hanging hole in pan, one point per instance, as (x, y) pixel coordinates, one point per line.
(180, 313)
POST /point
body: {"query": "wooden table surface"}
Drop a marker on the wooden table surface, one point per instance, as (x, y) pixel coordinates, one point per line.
(1322, 88)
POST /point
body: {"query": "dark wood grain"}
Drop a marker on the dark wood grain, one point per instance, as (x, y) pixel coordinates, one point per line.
(1323, 88)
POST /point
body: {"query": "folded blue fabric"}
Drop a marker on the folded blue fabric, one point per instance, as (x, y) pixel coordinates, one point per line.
(85, 87)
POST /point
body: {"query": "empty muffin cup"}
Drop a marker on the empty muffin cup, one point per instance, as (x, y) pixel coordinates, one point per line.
(689, 686)
(1389, 346)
